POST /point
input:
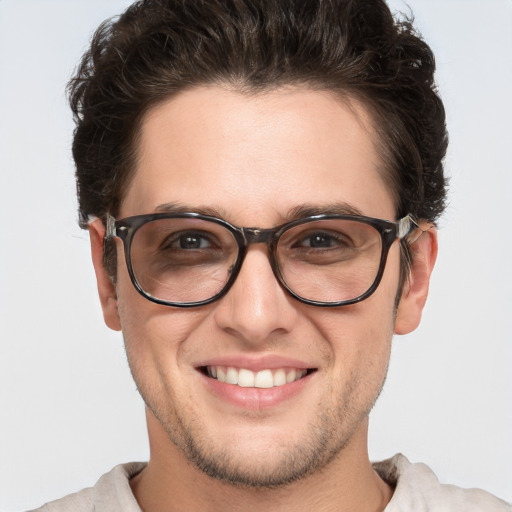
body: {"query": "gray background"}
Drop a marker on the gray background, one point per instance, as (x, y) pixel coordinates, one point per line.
(68, 408)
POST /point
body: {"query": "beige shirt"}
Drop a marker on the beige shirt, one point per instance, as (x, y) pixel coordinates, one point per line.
(416, 490)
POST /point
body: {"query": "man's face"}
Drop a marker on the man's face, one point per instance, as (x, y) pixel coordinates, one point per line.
(254, 159)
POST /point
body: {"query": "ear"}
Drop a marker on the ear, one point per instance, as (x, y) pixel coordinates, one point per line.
(106, 288)
(414, 294)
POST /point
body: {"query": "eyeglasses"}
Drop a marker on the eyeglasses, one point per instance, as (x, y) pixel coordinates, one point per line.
(189, 259)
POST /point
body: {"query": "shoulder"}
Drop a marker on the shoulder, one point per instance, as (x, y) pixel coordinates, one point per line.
(418, 489)
(112, 491)
(77, 502)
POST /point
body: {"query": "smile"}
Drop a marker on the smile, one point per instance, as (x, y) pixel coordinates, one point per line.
(245, 378)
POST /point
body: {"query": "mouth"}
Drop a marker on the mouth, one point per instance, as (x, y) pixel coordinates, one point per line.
(263, 379)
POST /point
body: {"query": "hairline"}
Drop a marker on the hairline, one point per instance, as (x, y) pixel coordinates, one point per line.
(359, 105)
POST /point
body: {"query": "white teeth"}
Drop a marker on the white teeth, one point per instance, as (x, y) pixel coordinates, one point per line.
(221, 374)
(264, 379)
(291, 375)
(248, 379)
(279, 378)
(245, 378)
(231, 375)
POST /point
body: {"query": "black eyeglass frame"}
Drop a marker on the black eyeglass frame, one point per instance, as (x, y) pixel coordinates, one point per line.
(125, 229)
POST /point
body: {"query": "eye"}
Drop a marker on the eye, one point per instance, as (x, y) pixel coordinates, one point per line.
(322, 240)
(188, 240)
(192, 241)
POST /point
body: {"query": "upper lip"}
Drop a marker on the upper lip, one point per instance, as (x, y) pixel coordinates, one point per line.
(256, 363)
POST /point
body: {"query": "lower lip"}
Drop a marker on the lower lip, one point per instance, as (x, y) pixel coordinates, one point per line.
(255, 398)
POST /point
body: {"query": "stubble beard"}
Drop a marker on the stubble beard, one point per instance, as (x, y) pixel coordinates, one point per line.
(322, 442)
(299, 461)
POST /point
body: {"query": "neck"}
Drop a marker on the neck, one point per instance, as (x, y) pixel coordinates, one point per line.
(171, 483)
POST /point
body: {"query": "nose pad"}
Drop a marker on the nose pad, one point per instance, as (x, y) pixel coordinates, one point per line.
(256, 307)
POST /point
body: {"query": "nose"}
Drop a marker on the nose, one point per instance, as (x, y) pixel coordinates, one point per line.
(256, 308)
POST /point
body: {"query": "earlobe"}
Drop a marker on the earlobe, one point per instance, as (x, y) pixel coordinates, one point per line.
(106, 288)
(415, 292)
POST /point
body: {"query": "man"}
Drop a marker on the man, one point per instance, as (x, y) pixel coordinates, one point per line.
(261, 182)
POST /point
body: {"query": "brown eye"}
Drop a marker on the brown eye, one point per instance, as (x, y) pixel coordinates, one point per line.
(321, 241)
(189, 241)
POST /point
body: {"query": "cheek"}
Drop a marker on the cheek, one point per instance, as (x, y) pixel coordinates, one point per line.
(363, 327)
(158, 355)
(359, 339)
(359, 336)
(155, 336)
(157, 330)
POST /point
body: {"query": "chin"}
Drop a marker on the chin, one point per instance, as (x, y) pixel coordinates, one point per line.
(262, 460)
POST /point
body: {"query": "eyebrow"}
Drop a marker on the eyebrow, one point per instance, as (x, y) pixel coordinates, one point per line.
(178, 208)
(310, 210)
(297, 212)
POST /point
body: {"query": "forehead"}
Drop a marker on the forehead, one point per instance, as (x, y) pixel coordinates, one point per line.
(244, 154)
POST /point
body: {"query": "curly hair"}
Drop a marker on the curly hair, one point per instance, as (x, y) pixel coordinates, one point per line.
(354, 48)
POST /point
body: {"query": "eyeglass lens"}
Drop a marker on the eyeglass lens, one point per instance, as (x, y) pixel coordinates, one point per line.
(184, 260)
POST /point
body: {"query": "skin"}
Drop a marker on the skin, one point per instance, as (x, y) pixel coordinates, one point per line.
(253, 159)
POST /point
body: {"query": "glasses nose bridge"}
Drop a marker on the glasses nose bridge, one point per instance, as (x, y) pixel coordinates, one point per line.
(258, 235)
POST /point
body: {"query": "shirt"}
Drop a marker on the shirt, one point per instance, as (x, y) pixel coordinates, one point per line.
(416, 490)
